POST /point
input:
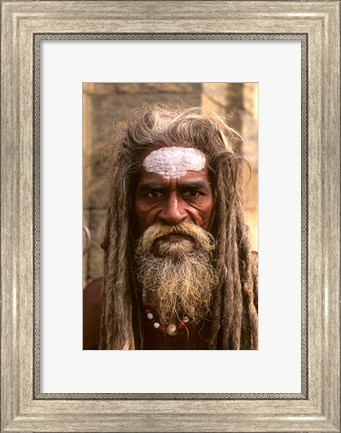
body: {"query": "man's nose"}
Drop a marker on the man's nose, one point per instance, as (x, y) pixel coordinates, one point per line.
(173, 211)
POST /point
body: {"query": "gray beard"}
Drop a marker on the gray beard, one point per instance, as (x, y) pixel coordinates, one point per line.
(177, 279)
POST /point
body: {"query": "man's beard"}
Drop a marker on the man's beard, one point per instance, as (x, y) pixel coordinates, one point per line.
(177, 276)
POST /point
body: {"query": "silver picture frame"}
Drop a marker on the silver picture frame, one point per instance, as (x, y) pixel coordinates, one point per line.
(24, 25)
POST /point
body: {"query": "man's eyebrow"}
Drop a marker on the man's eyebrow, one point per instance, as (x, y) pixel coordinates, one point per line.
(154, 186)
(151, 186)
(195, 185)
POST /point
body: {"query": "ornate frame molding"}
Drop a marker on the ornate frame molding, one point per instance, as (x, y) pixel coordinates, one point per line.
(24, 24)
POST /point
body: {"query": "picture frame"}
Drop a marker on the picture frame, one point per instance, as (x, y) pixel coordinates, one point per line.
(319, 408)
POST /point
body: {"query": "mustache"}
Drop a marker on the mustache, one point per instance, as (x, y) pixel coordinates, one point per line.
(201, 237)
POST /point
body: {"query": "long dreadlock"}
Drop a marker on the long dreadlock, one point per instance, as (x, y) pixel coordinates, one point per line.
(233, 319)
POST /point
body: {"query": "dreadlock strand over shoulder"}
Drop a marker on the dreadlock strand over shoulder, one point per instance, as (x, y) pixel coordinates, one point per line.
(233, 319)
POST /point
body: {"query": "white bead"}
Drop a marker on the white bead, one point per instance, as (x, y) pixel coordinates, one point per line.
(156, 325)
(150, 316)
(186, 319)
(171, 329)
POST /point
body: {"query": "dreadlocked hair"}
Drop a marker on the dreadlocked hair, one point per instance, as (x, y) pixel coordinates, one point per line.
(233, 319)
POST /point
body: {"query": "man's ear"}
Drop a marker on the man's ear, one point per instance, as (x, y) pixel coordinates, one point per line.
(134, 230)
(212, 224)
(104, 244)
(213, 227)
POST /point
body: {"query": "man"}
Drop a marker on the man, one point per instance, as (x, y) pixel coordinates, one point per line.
(179, 272)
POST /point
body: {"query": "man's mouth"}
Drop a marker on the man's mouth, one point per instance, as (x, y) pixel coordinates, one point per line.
(174, 237)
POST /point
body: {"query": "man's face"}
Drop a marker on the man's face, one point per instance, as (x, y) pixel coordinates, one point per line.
(174, 213)
(168, 195)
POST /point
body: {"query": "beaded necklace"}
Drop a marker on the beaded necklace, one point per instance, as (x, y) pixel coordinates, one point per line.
(171, 329)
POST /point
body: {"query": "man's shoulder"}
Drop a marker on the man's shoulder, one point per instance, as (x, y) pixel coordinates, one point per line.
(254, 256)
(92, 292)
(92, 314)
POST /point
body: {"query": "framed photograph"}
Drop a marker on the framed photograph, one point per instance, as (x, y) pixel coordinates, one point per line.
(111, 112)
(65, 65)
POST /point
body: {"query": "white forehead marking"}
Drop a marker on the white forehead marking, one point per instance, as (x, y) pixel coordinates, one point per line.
(174, 162)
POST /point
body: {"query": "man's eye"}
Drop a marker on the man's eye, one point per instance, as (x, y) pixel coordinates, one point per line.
(154, 194)
(192, 194)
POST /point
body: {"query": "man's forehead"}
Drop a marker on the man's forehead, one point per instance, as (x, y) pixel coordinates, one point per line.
(145, 179)
(174, 162)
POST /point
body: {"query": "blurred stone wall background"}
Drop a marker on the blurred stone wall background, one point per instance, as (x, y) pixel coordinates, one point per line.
(105, 104)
